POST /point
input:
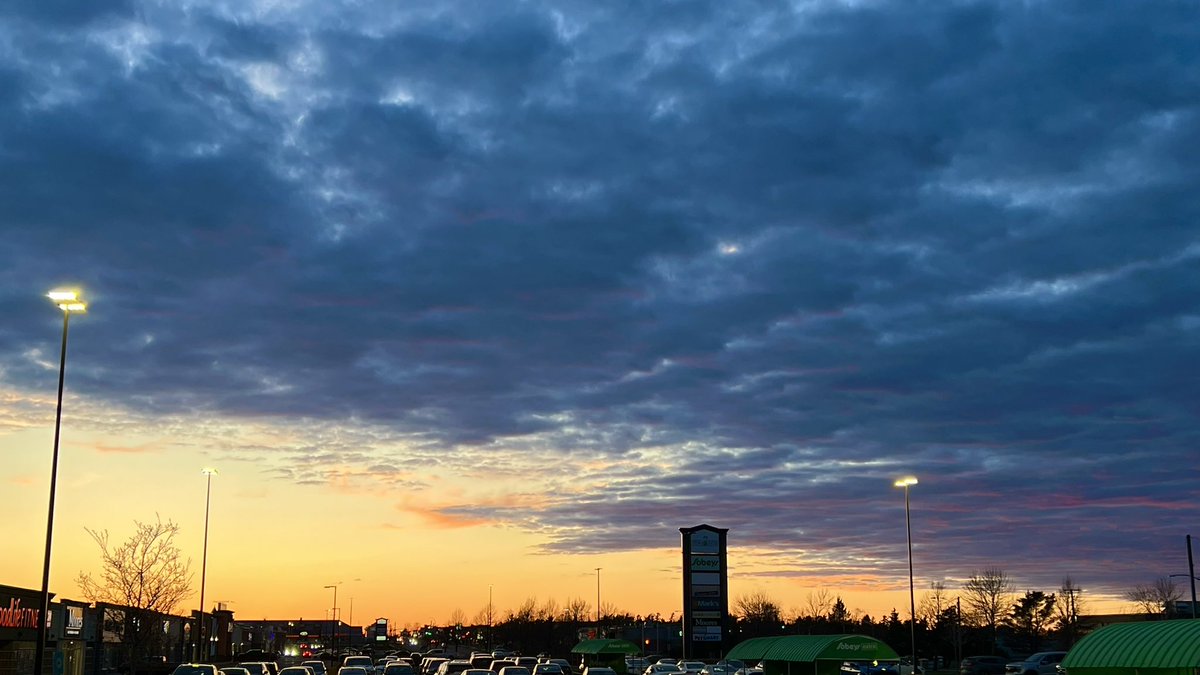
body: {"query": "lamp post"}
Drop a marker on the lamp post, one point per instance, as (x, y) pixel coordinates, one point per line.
(906, 483)
(333, 626)
(201, 647)
(67, 301)
(491, 635)
(597, 598)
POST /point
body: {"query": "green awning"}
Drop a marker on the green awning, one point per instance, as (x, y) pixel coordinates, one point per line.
(1164, 645)
(809, 648)
(606, 647)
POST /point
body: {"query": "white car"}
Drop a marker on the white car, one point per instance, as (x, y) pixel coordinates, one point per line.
(1042, 663)
(663, 669)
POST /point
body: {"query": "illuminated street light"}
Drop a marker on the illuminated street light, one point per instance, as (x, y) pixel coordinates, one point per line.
(906, 483)
(68, 301)
(200, 645)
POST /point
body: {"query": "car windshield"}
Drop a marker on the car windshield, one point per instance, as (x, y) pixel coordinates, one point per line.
(194, 669)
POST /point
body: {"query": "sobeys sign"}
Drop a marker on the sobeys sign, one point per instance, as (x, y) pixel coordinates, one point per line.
(16, 616)
(705, 563)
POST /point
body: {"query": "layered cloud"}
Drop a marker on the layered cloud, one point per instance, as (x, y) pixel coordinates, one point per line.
(682, 262)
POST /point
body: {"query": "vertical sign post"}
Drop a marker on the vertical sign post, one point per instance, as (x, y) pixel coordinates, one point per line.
(705, 591)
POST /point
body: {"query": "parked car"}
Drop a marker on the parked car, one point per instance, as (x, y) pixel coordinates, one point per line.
(692, 667)
(1041, 663)
(867, 668)
(296, 670)
(547, 669)
(981, 665)
(195, 669)
(256, 667)
(398, 668)
(453, 667)
(514, 670)
(661, 668)
(318, 667)
(352, 670)
(723, 667)
(599, 670)
(363, 662)
(635, 664)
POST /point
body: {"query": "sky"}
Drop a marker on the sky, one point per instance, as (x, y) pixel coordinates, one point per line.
(475, 297)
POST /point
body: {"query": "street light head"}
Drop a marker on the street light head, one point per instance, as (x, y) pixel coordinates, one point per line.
(67, 300)
(905, 482)
(208, 471)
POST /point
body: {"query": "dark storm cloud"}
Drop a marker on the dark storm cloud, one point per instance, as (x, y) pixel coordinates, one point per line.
(796, 252)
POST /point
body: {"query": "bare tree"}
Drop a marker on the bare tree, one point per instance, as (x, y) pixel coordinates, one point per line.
(147, 575)
(577, 610)
(987, 594)
(1155, 598)
(934, 603)
(757, 606)
(548, 611)
(608, 609)
(1069, 605)
(525, 613)
(458, 617)
(818, 603)
(759, 613)
(486, 616)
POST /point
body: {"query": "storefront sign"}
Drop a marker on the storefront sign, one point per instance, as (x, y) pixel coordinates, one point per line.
(74, 623)
(17, 616)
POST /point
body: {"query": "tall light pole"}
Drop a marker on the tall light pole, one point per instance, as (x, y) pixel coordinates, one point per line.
(333, 639)
(1192, 574)
(67, 301)
(906, 483)
(201, 647)
(597, 598)
(491, 634)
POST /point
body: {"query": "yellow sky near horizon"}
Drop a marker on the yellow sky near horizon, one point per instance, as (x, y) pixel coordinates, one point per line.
(275, 542)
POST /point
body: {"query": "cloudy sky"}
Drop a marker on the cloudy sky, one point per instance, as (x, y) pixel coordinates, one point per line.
(460, 295)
